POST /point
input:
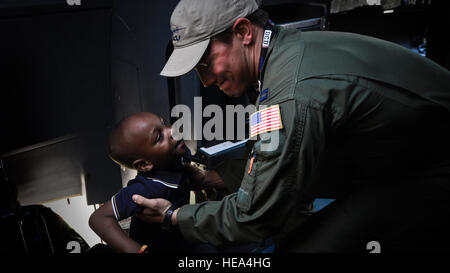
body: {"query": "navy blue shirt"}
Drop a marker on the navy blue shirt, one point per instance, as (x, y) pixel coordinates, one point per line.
(155, 184)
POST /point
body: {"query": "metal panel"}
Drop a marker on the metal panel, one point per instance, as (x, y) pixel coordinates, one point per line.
(56, 82)
(56, 169)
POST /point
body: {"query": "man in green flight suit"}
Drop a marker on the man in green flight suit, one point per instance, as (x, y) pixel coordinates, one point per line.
(350, 117)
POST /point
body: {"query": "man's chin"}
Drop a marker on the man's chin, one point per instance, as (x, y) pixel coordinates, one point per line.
(233, 94)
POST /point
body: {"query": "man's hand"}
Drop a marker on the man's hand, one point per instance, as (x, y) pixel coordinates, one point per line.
(154, 209)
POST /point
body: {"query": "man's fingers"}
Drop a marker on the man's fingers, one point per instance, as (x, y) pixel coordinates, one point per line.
(150, 216)
(152, 204)
(140, 200)
(150, 212)
(158, 205)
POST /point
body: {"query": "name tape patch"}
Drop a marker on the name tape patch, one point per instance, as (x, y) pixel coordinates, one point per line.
(266, 38)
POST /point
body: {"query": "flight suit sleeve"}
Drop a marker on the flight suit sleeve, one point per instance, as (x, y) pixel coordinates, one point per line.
(272, 187)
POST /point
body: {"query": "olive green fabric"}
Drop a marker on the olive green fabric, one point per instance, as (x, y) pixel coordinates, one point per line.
(354, 109)
(232, 170)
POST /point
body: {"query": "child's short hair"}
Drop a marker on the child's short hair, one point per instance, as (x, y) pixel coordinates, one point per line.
(118, 149)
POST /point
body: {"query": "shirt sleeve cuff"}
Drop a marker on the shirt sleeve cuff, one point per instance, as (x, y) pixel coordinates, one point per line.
(114, 206)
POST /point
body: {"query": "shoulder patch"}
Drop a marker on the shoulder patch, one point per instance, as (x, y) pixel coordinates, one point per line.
(264, 95)
(268, 119)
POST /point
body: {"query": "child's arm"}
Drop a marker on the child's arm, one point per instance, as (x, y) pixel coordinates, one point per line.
(104, 223)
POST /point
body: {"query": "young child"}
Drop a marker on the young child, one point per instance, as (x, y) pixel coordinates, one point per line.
(144, 142)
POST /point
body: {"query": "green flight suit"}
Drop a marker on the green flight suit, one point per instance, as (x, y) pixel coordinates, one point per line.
(355, 110)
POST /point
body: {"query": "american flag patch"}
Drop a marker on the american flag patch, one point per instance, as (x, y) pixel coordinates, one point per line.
(268, 119)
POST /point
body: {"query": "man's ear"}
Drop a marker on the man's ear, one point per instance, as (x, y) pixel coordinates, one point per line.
(243, 28)
(142, 165)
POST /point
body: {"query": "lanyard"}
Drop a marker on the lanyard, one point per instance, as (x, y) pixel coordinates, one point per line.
(269, 30)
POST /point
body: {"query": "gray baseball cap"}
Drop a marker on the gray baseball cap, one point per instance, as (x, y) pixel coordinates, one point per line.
(193, 23)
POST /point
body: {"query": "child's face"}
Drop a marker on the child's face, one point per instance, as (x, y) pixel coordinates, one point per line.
(158, 145)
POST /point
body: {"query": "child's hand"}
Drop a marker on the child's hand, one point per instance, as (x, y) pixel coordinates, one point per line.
(154, 208)
(203, 179)
(196, 177)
